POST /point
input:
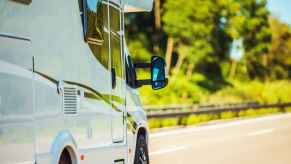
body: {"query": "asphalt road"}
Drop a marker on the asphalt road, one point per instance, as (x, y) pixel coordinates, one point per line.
(265, 140)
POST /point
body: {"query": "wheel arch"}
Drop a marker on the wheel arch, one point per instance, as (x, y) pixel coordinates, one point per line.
(142, 130)
(64, 141)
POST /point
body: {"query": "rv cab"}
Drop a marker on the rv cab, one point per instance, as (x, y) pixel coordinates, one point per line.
(68, 87)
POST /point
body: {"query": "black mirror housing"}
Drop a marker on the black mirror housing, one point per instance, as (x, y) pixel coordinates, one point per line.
(158, 74)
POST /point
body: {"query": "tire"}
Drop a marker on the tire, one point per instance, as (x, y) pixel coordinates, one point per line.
(141, 152)
(65, 158)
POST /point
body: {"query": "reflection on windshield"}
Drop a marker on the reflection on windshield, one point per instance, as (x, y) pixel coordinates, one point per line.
(92, 4)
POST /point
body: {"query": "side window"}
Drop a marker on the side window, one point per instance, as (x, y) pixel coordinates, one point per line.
(96, 30)
(115, 40)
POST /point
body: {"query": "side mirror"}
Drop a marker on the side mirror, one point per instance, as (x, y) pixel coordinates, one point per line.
(158, 73)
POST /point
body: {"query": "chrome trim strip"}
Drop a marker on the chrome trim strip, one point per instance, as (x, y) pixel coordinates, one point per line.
(26, 2)
(14, 37)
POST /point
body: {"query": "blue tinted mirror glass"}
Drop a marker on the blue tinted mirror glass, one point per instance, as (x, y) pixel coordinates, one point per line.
(158, 76)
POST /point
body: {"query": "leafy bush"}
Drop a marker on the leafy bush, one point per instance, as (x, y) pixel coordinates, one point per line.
(227, 115)
(154, 123)
(288, 109)
(268, 92)
(179, 91)
(169, 122)
(193, 120)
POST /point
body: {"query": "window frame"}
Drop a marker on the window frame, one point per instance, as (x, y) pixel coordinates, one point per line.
(107, 29)
(119, 34)
(84, 17)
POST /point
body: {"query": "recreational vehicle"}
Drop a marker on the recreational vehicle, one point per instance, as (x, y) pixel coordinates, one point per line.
(68, 87)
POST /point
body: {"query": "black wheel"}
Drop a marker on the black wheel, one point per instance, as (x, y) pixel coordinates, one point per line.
(65, 157)
(141, 152)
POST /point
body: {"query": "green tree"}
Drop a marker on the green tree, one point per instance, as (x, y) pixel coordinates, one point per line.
(195, 36)
(279, 57)
(190, 23)
(257, 37)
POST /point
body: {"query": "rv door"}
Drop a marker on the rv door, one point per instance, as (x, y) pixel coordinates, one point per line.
(117, 71)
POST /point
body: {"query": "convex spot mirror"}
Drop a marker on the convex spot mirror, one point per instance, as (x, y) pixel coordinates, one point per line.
(158, 73)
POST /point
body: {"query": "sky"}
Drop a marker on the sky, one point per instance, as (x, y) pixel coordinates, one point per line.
(281, 9)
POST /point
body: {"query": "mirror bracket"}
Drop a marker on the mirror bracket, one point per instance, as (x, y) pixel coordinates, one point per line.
(140, 83)
(142, 65)
(158, 78)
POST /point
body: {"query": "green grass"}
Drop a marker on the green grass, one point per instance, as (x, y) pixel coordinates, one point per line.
(288, 109)
(267, 92)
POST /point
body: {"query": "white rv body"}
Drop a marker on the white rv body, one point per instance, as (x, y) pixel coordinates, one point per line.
(55, 94)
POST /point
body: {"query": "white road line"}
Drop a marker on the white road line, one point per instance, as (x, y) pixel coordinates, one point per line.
(224, 125)
(261, 132)
(165, 151)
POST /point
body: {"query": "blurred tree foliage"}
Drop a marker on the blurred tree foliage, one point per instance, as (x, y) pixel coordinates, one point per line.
(279, 56)
(257, 37)
(196, 36)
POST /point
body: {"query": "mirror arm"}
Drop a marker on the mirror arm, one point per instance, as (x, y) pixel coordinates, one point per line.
(142, 65)
(140, 83)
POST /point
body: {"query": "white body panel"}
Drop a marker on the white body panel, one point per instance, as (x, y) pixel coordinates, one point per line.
(44, 61)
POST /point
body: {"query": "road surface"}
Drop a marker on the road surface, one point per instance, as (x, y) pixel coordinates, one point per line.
(265, 140)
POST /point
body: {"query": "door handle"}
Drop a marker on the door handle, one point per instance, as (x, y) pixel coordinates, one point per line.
(113, 78)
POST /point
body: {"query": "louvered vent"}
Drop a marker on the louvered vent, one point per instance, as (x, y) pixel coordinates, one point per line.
(71, 101)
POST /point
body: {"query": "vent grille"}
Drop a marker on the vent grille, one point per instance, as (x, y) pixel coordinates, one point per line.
(71, 101)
